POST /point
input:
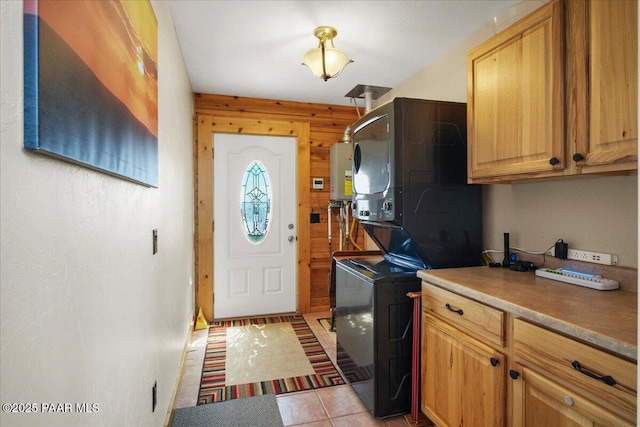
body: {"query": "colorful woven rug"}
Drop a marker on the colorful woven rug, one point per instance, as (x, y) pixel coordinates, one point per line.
(212, 383)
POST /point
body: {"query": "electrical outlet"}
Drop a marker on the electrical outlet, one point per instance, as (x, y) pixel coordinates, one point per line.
(154, 396)
(594, 257)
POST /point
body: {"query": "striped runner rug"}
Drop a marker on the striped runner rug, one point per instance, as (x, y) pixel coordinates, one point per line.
(212, 383)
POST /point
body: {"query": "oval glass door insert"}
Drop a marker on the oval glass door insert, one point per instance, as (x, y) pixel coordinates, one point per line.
(255, 207)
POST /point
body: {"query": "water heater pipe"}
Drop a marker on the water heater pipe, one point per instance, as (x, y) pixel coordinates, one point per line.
(341, 224)
(353, 242)
(345, 206)
(368, 95)
(346, 136)
(329, 223)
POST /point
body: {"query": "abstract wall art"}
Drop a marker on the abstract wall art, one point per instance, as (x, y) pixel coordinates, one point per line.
(91, 85)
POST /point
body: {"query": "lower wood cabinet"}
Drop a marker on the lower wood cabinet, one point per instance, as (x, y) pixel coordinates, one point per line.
(597, 389)
(463, 380)
(483, 367)
(539, 401)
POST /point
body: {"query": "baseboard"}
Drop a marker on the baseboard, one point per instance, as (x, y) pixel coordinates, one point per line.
(169, 417)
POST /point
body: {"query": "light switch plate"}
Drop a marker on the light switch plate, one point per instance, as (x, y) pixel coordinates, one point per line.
(155, 241)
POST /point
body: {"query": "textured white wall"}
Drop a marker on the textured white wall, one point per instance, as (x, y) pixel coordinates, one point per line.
(88, 314)
(597, 213)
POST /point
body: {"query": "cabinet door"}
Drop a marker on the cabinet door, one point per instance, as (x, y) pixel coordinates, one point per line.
(612, 84)
(539, 401)
(515, 99)
(463, 380)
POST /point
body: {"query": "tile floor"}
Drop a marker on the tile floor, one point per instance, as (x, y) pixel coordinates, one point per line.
(335, 406)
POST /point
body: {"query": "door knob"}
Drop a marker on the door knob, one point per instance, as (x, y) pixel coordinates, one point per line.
(291, 238)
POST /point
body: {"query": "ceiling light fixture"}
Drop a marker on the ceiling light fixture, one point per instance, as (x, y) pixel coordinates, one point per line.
(325, 61)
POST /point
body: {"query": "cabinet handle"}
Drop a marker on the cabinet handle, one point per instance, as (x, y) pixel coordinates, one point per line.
(494, 361)
(554, 161)
(459, 311)
(577, 157)
(607, 379)
(514, 374)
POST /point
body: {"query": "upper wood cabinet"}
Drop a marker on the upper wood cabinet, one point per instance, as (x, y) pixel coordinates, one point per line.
(515, 99)
(555, 94)
(610, 85)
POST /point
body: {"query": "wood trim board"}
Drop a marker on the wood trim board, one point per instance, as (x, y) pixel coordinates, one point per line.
(207, 126)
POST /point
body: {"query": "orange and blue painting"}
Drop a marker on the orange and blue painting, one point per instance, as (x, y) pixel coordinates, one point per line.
(91, 84)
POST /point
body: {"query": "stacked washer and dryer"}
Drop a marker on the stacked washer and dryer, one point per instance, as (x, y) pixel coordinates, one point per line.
(410, 194)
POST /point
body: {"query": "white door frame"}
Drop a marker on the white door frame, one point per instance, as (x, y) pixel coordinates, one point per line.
(207, 125)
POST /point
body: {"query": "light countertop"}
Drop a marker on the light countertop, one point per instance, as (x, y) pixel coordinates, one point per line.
(607, 319)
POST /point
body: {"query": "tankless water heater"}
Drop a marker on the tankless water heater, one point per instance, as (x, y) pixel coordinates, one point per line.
(340, 161)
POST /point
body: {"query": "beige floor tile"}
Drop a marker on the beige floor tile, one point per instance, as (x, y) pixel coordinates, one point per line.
(194, 362)
(397, 422)
(323, 423)
(198, 342)
(363, 419)
(300, 408)
(190, 380)
(189, 388)
(185, 399)
(340, 400)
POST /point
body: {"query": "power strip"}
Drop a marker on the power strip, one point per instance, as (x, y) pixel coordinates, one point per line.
(593, 281)
(588, 256)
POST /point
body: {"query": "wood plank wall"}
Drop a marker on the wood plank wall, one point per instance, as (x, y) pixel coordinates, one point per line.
(327, 124)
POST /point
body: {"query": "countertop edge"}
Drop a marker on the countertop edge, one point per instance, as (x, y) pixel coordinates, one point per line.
(559, 325)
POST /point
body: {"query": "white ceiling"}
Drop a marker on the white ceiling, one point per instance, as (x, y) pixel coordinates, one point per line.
(254, 48)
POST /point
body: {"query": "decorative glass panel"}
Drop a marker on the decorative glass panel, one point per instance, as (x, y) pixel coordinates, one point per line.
(255, 207)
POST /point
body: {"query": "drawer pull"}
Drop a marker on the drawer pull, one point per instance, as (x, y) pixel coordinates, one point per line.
(607, 379)
(514, 374)
(494, 361)
(568, 400)
(459, 311)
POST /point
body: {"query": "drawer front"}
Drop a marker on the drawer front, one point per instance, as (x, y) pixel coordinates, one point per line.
(547, 403)
(477, 318)
(578, 363)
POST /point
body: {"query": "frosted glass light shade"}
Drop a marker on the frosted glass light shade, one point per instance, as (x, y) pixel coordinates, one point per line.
(334, 62)
(325, 61)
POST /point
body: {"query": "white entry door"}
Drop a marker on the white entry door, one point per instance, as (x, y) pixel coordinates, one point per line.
(255, 244)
